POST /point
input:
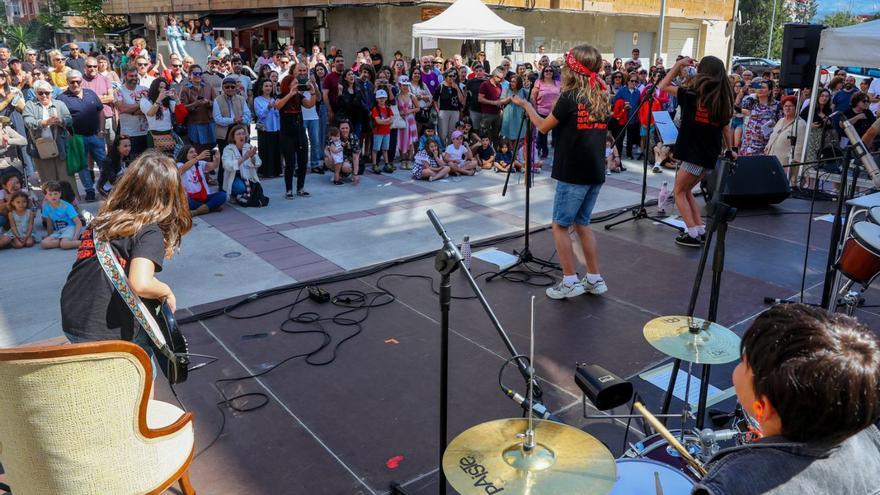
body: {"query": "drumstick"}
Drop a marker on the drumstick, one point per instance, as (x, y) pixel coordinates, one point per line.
(657, 425)
(657, 485)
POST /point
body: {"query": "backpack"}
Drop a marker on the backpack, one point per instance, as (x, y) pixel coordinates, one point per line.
(255, 198)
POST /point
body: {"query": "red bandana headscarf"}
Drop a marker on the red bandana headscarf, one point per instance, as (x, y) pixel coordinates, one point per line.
(581, 69)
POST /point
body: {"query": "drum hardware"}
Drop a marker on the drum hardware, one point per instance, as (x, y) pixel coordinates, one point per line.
(658, 426)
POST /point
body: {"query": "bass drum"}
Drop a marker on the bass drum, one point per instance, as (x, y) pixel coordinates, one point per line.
(656, 448)
(638, 477)
(860, 259)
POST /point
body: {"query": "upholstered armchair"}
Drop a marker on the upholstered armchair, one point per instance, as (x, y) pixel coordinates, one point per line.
(79, 419)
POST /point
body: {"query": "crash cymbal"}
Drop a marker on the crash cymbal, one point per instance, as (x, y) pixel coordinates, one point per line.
(712, 344)
(489, 458)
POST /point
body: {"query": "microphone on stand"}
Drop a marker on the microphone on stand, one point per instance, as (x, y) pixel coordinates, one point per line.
(539, 410)
(861, 152)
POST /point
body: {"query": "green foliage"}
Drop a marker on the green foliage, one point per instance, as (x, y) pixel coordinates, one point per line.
(804, 12)
(19, 39)
(753, 31)
(840, 18)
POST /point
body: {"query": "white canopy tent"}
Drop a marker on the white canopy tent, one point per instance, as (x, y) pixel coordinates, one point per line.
(466, 20)
(851, 46)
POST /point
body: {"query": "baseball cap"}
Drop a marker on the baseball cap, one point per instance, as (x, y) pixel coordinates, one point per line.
(457, 134)
(404, 80)
(213, 59)
(381, 94)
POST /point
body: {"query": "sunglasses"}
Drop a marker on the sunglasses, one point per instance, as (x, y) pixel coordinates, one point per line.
(73, 82)
(172, 65)
(44, 93)
(143, 65)
(59, 60)
(196, 73)
(91, 67)
(228, 86)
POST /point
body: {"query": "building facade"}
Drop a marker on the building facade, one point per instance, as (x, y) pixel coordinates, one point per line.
(21, 11)
(692, 27)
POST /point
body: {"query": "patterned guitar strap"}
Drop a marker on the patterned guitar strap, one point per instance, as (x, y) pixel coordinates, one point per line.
(117, 277)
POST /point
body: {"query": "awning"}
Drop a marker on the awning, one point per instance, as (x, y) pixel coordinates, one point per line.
(242, 20)
(123, 31)
(468, 20)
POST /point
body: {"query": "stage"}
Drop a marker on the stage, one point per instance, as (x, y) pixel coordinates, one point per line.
(370, 417)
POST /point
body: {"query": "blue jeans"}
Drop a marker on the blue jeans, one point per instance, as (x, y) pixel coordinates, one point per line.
(141, 339)
(209, 40)
(178, 46)
(201, 134)
(238, 187)
(95, 146)
(214, 201)
(574, 203)
(316, 149)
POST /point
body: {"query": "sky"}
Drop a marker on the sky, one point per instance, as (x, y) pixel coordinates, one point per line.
(856, 6)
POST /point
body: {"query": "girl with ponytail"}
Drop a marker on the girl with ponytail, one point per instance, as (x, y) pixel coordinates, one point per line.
(706, 109)
(579, 117)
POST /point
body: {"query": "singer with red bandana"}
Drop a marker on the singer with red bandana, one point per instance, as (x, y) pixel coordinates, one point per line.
(579, 117)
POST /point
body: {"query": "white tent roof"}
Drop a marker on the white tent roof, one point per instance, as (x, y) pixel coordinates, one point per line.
(468, 20)
(856, 46)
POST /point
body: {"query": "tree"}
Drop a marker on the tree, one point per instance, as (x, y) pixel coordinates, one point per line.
(803, 11)
(840, 18)
(753, 30)
(19, 39)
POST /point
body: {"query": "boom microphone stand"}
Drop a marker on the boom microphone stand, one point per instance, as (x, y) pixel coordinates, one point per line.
(524, 256)
(640, 212)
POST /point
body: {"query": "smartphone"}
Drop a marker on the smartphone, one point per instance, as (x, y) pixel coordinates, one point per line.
(303, 87)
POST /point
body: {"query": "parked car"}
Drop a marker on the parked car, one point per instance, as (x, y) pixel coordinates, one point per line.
(756, 64)
(860, 73)
(86, 47)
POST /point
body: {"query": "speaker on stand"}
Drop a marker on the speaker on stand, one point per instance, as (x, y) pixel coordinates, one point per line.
(800, 45)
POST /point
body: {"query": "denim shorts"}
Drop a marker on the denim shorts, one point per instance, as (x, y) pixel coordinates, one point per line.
(381, 142)
(65, 233)
(737, 122)
(573, 203)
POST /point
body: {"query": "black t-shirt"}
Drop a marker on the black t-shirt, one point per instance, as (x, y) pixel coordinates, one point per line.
(90, 306)
(699, 139)
(485, 153)
(861, 126)
(473, 93)
(447, 98)
(580, 152)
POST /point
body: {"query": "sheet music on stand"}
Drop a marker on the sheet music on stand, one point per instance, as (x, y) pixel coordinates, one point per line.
(666, 127)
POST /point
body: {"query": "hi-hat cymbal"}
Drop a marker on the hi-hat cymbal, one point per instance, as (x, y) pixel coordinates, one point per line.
(712, 344)
(488, 458)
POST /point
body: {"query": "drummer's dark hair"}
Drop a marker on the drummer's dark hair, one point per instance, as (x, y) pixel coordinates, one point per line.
(820, 371)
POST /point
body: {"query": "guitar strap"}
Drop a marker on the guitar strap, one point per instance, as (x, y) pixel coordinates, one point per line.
(117, 277)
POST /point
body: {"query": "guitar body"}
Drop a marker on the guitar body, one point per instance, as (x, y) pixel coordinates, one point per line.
(175, 370)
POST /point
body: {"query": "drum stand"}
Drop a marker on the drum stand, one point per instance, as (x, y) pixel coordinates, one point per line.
(721, 214)
(447, 260)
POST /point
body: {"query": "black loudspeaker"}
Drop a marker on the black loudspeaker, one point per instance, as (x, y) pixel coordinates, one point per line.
(604, 389)
(800, 44)
(756, 181)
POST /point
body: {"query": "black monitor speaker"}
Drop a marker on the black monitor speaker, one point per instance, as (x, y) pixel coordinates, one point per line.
(755, 182)
(800, 44)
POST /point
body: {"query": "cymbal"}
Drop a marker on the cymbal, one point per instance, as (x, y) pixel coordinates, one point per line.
(488, 458)
(713, 344)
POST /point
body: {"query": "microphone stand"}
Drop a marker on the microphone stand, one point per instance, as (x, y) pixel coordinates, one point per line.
(721, 214)
(447, 260)
(524, 256)
(836, 233)
(640, 212)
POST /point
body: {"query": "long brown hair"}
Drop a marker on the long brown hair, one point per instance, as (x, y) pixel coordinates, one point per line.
(150, 191)
(713, 89)
(594, 97)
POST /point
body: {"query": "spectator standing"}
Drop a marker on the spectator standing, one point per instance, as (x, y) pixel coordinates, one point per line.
(423, 97)
(132, 122)
(491, 104)
(349, 104)
(245, 81)
(158, 107)
(840, 101)
(473, 94)
(874, 95)
(76, 61)
(630, 97)
(212, 76)
(331, 86)
(822, 134)
(512, 124)
(430, 77)
(312, 120)
(105, 69)
(229, 108)
(177, 79)
(762, 111)
(49, 118)
(408, 136)
(294, 145)
(448, 102)
(858, 114)
(58, 72)
(30, 60)
(198, 97)
(545, 92)
(87, 112)
(779, 145)
(102, 87)
(268, 129)
(145, 78)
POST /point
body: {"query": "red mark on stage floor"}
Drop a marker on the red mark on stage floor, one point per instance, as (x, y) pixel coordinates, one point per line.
(392, 341)
(394, 462)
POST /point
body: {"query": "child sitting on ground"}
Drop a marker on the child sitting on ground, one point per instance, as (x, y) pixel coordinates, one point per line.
(485, 153)
(430, 134)
(612, 157)
(459, 157)
(504, 159)
(63, 225)
(21, 223)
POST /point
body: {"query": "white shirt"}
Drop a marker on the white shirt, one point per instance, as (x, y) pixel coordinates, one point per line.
(130, 124)
(456, 153)
(309, 113)
(194, 178)
(146, 80)
(874, 90)
(155, 123)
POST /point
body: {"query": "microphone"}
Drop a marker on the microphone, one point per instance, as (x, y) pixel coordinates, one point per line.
(861, 152)
(539, 410)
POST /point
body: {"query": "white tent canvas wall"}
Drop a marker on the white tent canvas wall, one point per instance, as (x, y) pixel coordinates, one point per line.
(851, 46)
(467, 20)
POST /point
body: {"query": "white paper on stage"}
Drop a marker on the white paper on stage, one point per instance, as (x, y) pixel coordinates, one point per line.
(429, 43)
(660, 378)
(665, 126)
(496, 257)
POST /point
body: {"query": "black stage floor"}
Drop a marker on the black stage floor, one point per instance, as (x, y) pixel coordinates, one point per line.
(371, 416)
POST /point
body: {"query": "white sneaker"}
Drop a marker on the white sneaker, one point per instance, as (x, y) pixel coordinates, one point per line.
(597, 289)
(562, 291)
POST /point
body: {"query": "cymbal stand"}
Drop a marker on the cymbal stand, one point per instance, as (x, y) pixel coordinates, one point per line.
(721, 214)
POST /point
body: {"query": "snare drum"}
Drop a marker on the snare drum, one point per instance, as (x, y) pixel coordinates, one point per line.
(860, 259)
(874, 215)
(656, 448)
(636, 477)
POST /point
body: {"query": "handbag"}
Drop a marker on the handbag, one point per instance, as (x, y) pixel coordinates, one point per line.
(163, 141)
(76, 154)
(180, 113)
(423, 116)
(44, 148)
(397, 121)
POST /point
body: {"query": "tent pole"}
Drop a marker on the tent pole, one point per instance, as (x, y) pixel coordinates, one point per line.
(660, 33)
(412, 53)
(812, 112)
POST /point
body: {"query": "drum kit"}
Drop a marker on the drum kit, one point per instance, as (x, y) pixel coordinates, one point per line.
(537, 457)
(859, 261)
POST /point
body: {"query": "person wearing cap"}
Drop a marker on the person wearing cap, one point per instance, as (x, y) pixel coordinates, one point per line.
(382, 119)
(229, 108)
(459, 157)
(30, 61)
(87, 111)
(407, 137)
(294, 141)
(212, 76)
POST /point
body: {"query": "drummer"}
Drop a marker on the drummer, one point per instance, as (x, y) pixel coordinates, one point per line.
(812, 381)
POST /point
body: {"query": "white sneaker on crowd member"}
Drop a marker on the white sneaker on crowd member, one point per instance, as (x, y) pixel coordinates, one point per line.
(594, 284)
(569, 287)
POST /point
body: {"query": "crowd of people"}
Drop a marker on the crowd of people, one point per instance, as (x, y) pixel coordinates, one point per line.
(78, 120)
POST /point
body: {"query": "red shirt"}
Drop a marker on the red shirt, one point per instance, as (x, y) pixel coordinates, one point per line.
(381, 129)
(293, 105)
(490, 92)
(331, 84)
